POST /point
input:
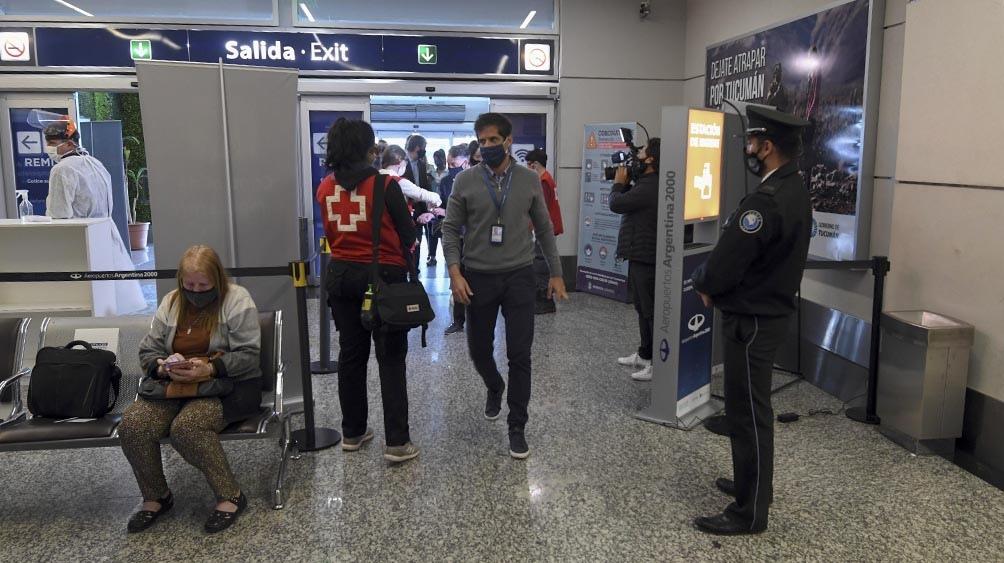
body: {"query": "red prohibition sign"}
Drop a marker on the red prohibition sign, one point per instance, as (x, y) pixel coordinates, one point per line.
(14, 48)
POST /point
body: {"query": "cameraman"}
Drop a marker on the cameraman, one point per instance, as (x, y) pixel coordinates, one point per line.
(635, 195)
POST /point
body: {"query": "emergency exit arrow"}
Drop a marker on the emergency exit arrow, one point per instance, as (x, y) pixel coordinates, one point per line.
(428, 54)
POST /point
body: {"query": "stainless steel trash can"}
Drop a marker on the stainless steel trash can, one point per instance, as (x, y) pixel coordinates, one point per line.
(923, 370)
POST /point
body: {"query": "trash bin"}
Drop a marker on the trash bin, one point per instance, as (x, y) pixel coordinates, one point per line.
(923, 370)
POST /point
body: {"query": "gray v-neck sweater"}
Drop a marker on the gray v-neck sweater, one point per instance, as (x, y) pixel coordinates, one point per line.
(472, 211)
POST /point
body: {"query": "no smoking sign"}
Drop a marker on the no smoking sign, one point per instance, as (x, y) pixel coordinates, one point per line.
(15, 47)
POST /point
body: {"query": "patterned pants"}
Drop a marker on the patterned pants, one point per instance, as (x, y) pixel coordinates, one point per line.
(194, 426)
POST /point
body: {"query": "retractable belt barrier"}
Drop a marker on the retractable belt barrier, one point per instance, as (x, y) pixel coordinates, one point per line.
(310, 438)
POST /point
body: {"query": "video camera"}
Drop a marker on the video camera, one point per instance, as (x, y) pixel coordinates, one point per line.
(624, 159)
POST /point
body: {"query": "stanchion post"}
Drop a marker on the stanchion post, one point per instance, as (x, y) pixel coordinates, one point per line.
(869, 414)
(310, 438)
(324, 365)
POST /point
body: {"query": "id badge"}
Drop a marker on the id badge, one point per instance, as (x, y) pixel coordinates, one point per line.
(498, 235)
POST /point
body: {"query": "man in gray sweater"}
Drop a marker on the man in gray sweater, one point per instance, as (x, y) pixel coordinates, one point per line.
(496, 203)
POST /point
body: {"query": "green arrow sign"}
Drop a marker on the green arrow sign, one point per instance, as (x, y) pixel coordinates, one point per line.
(140, 50)
(427, 55)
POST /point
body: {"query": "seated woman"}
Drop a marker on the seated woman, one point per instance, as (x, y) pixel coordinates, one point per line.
(207, 328)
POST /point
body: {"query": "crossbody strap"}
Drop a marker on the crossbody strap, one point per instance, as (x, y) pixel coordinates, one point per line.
(376, 224)
(379, 202)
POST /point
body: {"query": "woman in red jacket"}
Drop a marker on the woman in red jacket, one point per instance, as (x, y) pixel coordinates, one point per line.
(346, 198)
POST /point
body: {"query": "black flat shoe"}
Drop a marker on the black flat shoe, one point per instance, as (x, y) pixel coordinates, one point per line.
(725, 524)
(145, 518)
(727, 486)
(220, 520)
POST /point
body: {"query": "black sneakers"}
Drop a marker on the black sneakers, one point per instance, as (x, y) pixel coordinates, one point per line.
(455, 328)
(493, 404)
(518, 448)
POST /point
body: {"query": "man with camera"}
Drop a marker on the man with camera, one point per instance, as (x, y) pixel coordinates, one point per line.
(635, 195)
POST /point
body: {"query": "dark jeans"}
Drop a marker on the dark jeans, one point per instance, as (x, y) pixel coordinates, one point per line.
(346, 285)
(751, 344)
(641, 282)
(513, 293)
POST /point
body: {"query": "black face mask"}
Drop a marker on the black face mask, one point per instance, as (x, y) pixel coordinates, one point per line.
(755, 164)
(494, 156)
(200, 299)
(421, 153)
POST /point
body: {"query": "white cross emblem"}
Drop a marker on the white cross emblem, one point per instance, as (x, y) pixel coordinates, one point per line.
(342, 216)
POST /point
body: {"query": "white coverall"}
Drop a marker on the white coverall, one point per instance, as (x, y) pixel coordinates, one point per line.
(81, 188)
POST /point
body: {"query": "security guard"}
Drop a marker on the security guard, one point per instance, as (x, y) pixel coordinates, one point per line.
(752, 277)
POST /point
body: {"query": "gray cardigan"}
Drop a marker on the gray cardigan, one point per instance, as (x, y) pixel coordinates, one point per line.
(237, 335)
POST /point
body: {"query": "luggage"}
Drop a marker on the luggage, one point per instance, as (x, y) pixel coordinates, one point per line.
(69, 382)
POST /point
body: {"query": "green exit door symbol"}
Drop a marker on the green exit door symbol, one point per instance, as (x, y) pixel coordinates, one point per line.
(140, 50)
(427, 55)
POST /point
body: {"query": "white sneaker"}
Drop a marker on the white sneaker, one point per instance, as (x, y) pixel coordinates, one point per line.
(644, 375)
(634, 361)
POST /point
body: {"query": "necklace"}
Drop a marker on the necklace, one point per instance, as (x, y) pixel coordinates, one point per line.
(197, 320)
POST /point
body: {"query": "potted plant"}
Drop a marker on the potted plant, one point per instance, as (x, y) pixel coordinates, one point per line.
(139, 223)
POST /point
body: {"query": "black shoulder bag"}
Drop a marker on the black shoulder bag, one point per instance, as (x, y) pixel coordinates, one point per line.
(70, 383)
(394, 306)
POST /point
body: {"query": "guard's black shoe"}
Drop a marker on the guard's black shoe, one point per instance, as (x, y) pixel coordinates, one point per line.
(493, 404)
(518, 448)
(145, 518)
(455, 328)
(727, 486)
(725, 524)
(220, 520)
(717, 425)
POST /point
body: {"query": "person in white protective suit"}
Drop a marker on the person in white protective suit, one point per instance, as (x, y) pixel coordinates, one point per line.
(80, 187)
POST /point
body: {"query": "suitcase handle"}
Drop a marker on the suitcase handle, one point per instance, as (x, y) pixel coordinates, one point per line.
(75, 343)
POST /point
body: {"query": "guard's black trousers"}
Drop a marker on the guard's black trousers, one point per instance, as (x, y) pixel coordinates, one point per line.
(751, 344)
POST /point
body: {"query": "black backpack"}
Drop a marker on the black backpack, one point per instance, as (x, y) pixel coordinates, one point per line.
(71, 383)
(397, 306)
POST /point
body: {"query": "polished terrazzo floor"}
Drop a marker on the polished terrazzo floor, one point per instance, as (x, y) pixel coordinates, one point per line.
(599, 485)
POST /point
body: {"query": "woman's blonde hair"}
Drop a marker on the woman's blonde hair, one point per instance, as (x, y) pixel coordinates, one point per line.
(204, 260)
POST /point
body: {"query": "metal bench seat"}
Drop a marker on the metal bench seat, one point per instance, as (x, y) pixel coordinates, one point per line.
(19, 431)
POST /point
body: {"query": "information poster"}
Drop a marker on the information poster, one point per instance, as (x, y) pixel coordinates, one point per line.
(320, 122)
(600, 271)
(31, 164)
(815, 68)
(696, 338)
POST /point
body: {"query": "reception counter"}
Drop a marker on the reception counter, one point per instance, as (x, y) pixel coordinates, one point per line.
(67, 245)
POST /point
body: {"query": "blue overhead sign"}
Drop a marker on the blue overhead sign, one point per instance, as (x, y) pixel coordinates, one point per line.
(107, 48)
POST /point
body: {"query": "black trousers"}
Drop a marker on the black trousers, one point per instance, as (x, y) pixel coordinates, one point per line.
(751, 345)
(541, 270)
(641, 282)
(346, 285)
(432, 234)
(513, 293)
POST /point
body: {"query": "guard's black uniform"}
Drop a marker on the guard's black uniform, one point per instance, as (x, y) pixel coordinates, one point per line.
(752, 277)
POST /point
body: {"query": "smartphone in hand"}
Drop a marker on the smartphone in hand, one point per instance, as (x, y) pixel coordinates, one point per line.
(183, 364)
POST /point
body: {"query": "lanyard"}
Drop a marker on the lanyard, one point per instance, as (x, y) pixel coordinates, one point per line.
(492, 187)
